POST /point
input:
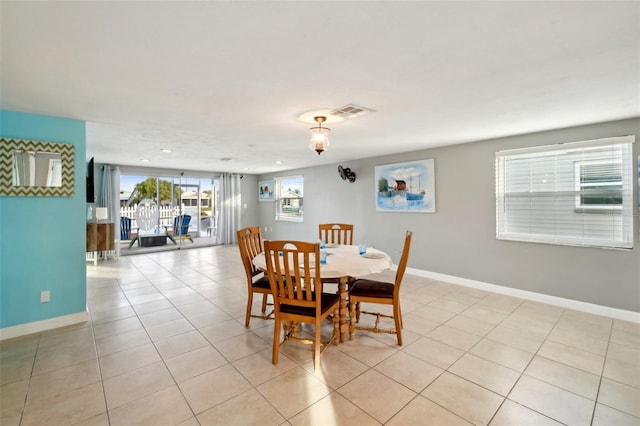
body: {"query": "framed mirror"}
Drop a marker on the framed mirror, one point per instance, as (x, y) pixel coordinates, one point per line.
(36, 168)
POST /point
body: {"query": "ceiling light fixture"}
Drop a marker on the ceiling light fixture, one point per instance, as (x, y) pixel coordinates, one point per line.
(319, 135)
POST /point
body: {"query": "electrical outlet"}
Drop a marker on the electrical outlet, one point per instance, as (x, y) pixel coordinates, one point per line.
(45, 296)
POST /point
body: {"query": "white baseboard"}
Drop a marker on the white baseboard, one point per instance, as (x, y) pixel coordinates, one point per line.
(591, 308)
(44, 325)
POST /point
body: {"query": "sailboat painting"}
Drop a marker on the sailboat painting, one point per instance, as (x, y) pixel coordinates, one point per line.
(406, 187)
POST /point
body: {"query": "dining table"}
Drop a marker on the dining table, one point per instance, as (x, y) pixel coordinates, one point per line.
(344, 262)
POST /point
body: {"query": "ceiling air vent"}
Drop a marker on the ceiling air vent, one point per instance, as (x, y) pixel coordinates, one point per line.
(348, 112)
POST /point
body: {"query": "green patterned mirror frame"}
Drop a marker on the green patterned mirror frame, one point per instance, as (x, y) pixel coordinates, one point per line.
(9, 146)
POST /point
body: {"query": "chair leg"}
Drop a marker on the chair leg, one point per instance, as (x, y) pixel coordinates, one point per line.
(249, 303)
(398, 320)
(316, 347)
(276, 341)
(264, 303)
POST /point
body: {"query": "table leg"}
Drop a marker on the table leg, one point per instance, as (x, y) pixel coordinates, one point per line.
(342, 290)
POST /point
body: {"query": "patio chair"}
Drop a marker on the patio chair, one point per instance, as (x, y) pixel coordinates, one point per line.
(180, 228)
(126, 232)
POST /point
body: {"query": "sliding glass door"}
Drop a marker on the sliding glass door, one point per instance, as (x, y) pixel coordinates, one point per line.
(178, 211)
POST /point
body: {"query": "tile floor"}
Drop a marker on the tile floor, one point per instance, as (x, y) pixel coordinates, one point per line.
(166, 345)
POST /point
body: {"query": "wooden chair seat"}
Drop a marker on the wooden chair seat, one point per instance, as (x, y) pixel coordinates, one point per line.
(371, 288)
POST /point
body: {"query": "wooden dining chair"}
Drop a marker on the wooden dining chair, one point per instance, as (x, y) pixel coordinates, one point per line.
(336, 233)
(250, 244)
(298, 297)
(371, 291)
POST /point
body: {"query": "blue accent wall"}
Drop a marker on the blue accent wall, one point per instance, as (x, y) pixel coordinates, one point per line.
(43, 239)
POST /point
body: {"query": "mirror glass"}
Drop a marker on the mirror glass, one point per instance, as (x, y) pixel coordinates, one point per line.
(37, 168)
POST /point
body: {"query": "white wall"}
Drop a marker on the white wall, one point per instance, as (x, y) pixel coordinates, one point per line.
(459, 239)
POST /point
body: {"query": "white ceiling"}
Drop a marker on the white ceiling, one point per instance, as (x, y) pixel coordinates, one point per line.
(215, 80)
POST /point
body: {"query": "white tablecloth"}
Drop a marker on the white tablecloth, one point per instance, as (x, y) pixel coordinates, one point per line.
(344, 261)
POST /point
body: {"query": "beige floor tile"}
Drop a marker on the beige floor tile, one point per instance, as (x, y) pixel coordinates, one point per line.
(12, 395)
(454, 337)
(165, 407)
(248, 408)
(624, 353)
(469, 401)
(22, 347)
(627, 336)
(433, 313)
(112, 315)
(160, 317)
(333, 410)
(170, 328)
(526, 340)
(222, 330)
(127, 360)
(450, 305)
(117, 327)
(66, 408)
(579, 338)
(559, 404)
(63, 380)
(180, 343)
(607, 416)
(421, 411)
(501, 303)
(622, 372)
(484, 313)
(336, 368)
(66, 336)
(120, 342)
(258, 368)
(434, 352)
(583, 329)
(16, 368)
(63, 357)
(293, 391)
(620, 396)
(99, 420)
(213, 387)
(487, 374)
(194, 363)
(136, 384)
(157, 305)
(565, 377)
(470, 325)
(11, 417)
(418, 324)
(409, 370)
(511, 414)
(241, 346)
(377, 395)
(573, 357)
(367, 350)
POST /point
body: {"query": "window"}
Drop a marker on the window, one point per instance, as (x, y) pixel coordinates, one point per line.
(289, 198)
(577, 193)
(599, 185)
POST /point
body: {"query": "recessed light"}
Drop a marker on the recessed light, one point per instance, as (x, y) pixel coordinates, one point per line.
(245, 168)
(166, 150)
(144, 160)
(279, 162)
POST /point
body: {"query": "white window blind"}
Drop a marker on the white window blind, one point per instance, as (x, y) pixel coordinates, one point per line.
(578, 193)
(289, 197)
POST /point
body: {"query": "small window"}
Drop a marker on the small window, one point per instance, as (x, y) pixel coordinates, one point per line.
(599, 185)
(578, 193)
(289, 198)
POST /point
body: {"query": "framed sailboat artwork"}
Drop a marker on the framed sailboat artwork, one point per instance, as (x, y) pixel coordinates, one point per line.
(406, 187)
